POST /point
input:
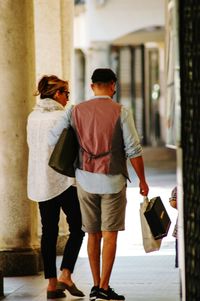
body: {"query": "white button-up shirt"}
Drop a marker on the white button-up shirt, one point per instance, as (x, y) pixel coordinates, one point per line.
(43, 182)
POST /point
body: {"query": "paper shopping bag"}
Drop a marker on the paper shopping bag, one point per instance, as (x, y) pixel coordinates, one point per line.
(149, 242)
(157, 218)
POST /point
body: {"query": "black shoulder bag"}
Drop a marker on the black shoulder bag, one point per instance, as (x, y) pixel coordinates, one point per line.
(65, 153)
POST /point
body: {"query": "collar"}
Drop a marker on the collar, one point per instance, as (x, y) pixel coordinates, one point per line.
(102, 96)
(48, 105)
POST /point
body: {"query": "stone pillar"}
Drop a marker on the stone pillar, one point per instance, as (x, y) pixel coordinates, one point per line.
(1, 285)
(79, 76)
(18, 215)
(53, 23)
(97, 56)
(67, 49)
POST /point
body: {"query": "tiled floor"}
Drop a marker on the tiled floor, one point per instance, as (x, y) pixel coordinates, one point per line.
(139, 276)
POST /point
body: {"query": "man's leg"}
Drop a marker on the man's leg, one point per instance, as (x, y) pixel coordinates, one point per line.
(113, 208)
(94, 251)
(108, 256)
(105, 292)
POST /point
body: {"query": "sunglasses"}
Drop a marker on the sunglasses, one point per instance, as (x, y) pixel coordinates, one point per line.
(66, 93)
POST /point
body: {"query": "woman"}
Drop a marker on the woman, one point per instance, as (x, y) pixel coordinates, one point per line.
(52, 190)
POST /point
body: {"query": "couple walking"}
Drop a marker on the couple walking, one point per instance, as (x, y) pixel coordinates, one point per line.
(107, 137)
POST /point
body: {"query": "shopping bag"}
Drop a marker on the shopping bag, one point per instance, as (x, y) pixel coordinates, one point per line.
(157, 218)
(150, 244)
(65, 153)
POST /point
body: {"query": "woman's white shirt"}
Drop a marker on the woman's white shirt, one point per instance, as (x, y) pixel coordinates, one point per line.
(43, 182)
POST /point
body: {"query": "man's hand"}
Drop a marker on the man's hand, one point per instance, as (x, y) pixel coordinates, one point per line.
(144, 188)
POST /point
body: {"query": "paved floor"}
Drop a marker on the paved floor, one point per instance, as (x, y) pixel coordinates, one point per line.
(139, 276)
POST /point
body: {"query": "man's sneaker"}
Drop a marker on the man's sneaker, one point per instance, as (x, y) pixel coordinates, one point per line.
(93, 293)
(108, 295)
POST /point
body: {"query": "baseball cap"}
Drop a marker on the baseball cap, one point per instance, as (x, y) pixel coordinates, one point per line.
(103, 75)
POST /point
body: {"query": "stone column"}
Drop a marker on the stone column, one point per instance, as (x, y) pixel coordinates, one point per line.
(67, 49)
(18, 215)
(97, 56)
(53, 23)
(79, 76)
(1, 285)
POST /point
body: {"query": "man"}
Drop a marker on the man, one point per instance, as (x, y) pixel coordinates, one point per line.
(107, 137)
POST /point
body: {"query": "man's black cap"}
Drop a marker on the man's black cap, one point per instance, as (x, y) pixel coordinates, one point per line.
(103, 75)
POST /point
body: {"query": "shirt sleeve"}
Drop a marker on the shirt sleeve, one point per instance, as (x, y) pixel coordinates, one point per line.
(131, 139)
(63, 122)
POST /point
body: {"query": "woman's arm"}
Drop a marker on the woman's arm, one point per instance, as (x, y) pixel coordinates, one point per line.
(63, 122)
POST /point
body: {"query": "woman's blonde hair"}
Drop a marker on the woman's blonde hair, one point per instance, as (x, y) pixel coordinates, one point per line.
(48, 85)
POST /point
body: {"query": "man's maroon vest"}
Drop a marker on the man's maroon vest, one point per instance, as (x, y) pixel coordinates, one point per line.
(98, 127)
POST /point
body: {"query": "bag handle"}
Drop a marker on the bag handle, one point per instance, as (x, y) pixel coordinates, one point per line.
(145, 199)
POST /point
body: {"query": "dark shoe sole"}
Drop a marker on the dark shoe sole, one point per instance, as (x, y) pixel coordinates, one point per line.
(55, 294)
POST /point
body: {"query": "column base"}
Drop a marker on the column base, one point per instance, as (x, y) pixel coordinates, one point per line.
(1, 285)
(19, 263)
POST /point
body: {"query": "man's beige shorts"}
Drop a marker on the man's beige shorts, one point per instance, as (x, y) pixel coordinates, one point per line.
(102, 212)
